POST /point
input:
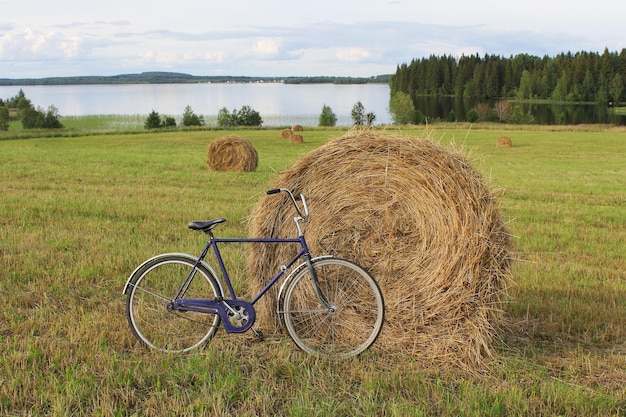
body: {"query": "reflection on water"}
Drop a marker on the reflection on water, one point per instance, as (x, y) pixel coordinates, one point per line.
(543, 113)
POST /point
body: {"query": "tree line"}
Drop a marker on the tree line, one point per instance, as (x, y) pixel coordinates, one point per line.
(20, 107)
(160, 77)
(579, 77)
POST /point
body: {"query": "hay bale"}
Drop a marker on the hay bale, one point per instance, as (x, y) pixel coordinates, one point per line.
(286, 133)
(504, 142)
(297, 128)
(232, 153)
(296, 139)
(420, 219)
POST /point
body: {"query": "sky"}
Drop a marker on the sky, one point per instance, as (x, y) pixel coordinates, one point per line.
(361, 38)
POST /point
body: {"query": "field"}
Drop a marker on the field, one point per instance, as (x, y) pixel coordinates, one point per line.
(78, 213)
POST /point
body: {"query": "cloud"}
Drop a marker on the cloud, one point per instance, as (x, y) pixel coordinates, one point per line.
(354, 54)
(31, 44)
(267, 47)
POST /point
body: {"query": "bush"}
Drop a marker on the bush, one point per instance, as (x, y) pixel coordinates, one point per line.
(420, 119)
(38, 119)
(249, 117)
(327, 117)
(472, 116)
(168, 121)
(192, 119)
(244, 117)
(4, 118)
(358, 114)
(402, 109)
(153, 121)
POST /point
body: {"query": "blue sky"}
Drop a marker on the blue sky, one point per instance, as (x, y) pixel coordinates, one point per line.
(289, 38)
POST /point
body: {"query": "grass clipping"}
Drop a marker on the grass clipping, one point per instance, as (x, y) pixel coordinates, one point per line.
(420, 219)
(232, 153)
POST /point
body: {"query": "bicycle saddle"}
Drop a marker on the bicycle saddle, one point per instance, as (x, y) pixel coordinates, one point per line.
(205, 225)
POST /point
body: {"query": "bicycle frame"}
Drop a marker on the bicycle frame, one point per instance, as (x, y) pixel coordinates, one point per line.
(225, 306)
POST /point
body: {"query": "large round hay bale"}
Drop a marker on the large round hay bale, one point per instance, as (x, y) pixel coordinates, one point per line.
(296, 139)
(297, 128)
(419, 218)
(286, 133)
(504, 142)
(232, 153)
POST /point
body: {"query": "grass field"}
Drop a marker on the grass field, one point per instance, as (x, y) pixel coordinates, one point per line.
(78, 213)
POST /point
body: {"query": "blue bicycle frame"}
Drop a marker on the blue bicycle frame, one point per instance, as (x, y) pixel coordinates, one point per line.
(217, 306)
(224, 306)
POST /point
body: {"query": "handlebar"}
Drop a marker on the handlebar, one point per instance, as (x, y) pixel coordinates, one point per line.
(303, 211)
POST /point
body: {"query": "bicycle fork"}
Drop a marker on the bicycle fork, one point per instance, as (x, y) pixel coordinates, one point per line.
(316, 284)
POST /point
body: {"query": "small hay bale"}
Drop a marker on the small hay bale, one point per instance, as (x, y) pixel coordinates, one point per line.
(296, 139)
(232, 153)
(297, 128)
(286, 133)
(504, 142)
(420, 219)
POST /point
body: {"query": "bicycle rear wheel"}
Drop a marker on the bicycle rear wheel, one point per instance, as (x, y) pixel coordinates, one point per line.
(150, 292)
(355, 319)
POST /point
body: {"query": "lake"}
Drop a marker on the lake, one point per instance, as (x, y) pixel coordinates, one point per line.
(279, 104)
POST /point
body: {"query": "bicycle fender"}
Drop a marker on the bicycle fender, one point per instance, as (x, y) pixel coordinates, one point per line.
(157, 258)
(287, 280)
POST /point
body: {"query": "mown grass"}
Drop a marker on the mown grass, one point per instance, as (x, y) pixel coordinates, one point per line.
(77, 214)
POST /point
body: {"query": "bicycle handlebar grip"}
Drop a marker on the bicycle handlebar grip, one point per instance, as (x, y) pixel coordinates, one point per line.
(274, 191)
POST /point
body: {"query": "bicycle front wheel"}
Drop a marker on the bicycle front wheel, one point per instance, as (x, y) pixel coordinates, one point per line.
(148, 305)
(354, 319)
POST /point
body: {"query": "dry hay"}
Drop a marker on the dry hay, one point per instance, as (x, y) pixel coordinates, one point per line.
(420, 219)
(504, 142)
(232, 153)
(286, 133)
(296, 139)
(297, 128)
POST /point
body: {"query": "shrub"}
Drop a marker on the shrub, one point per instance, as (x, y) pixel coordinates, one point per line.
(38, 119)
(471, 116)
(247, 116)
(4, 118)
(192, 119)
(168, 121)
(327, 117)
(153, 121)
(402, 109)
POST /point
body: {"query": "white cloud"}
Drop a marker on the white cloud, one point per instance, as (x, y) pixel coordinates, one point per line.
(354, 54)
(267, 47)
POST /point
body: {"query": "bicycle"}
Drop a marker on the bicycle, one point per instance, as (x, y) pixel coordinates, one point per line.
(329, 306)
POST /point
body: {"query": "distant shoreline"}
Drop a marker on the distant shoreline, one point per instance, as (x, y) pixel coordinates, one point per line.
(178, 78)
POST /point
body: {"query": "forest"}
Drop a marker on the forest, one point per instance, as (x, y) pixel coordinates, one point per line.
(580, 77)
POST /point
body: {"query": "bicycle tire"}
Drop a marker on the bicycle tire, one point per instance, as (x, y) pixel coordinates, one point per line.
(150, 291)
(358, 304)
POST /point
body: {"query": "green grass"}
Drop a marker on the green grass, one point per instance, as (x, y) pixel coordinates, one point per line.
(78, 213)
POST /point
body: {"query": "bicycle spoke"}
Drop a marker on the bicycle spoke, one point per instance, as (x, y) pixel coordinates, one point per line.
(352, 325)
(160, 327)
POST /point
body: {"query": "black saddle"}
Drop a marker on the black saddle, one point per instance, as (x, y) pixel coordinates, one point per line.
(205, 225)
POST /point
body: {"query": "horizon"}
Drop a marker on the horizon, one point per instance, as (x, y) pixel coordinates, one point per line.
(276, 77)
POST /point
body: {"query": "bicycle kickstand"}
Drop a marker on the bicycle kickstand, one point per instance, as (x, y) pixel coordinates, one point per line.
(258, 334)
